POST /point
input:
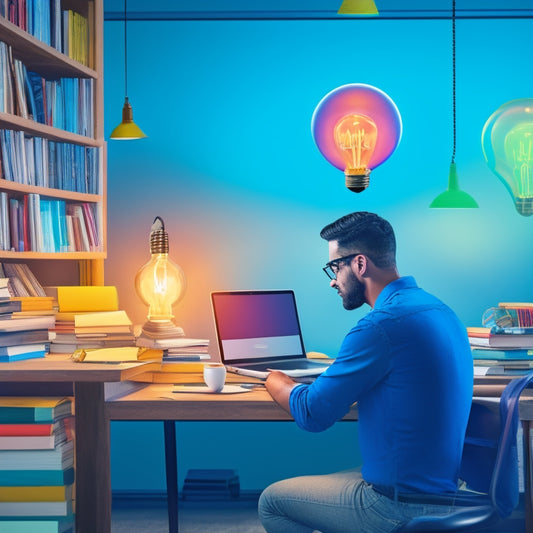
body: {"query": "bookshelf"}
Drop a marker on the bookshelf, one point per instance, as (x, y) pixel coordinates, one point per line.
(81, 146)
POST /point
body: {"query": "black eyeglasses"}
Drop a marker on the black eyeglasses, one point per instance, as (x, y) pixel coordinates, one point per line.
(332, 267)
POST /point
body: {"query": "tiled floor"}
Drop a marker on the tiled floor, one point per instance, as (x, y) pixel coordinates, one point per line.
(194, 517)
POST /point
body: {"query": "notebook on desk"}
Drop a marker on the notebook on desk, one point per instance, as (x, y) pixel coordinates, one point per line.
(258, 331)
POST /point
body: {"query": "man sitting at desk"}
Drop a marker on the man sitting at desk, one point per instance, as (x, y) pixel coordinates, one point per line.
(408, 365)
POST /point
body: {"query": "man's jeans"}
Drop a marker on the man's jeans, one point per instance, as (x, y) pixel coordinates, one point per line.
(335, 503)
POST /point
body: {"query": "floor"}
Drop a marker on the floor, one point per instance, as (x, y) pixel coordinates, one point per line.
(194, 517)
(232, 516)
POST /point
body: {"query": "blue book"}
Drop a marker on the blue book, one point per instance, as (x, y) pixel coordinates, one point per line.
(22, 356)
(511, 330)
(35, 82)
(21, 410)
(501, 355)
(36, 525)
(22, 348)
(36, 478)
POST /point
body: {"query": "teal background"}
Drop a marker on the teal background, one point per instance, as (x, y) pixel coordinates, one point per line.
(231, 167)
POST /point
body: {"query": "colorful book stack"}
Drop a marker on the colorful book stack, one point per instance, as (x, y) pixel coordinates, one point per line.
(25, 319)
(36, 465)
(504, 344)
(89, 317)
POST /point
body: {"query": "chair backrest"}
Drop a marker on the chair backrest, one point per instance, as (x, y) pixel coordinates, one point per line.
(490, 457)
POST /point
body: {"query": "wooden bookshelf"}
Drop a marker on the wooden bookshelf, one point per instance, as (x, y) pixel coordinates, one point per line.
(51, 64)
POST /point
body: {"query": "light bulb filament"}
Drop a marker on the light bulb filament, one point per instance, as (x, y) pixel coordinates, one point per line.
(520, 143)
(355, 137)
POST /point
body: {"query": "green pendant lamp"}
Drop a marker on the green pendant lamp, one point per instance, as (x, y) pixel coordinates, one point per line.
(454, 197)
(358, 7)
(127, 130)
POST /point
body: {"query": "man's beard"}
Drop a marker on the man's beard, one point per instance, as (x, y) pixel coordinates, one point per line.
(354, 296)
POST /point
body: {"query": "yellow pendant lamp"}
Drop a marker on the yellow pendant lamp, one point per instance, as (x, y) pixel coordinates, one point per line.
(358, 7)
(127, 130)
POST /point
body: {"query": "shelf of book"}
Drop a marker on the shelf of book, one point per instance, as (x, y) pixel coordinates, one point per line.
(49, 192)
(14, 122)
(53, 46)
(35, 53)
(72, 256)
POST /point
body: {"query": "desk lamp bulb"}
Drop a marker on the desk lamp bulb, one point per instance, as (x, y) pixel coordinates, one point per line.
(160, 284)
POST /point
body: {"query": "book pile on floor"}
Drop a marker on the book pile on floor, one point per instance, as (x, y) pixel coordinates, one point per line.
(503, 345)
(89, 317)
(26, 314)
(36, 465)
(211, 484)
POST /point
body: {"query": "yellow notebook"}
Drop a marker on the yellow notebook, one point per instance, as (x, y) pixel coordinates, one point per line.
(107, 318)
(86, 298)
(36, 494)
(120, 354)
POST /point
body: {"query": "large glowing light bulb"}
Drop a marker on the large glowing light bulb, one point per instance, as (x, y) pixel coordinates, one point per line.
(160, 284)
(507, 141)
(356, 127)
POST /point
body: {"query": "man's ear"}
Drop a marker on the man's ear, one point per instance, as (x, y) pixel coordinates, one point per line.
(360, 264)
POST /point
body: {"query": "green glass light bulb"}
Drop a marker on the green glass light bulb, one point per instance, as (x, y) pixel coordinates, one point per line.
(507, 141)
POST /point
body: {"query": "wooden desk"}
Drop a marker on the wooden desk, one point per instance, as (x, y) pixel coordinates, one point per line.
(137, 401)
(93, 482)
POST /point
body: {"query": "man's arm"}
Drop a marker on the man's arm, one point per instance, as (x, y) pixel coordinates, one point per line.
(279, 385)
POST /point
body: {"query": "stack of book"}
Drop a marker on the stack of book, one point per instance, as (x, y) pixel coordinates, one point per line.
(89, 317)
(176, 348)
(504, 344)
(36, 465)
(25, 320)
(211, 484)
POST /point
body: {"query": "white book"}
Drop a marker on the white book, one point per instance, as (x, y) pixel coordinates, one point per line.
(36, 508)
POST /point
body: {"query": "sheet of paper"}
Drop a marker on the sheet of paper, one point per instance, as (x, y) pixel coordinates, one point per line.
(203, 389)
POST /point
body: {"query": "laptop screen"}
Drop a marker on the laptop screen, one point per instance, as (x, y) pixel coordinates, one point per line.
(257, 325)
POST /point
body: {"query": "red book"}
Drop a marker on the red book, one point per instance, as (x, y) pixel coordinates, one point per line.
(26, 430)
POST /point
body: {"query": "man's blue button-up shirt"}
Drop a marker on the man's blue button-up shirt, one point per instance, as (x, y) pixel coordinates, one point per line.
(408, 364)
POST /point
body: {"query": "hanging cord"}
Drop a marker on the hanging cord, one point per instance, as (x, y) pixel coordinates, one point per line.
(453, 84)
(126, 48)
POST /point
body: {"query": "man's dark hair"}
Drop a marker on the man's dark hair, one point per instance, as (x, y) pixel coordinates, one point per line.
(367, 233)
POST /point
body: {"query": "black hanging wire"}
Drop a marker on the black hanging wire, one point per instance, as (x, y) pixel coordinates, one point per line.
(453, 84)
(126, 48)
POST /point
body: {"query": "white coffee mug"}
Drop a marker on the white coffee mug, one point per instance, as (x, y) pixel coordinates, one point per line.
(214, 376)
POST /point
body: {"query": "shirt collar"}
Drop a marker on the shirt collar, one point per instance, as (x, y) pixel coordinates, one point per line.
(405, 282)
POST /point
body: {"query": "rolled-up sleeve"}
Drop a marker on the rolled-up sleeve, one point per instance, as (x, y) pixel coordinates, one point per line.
(363, 361)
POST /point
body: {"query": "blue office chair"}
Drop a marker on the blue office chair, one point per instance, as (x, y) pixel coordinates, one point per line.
(489, 465)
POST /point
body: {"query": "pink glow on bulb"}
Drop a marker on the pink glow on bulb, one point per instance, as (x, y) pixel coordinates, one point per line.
(356, 99)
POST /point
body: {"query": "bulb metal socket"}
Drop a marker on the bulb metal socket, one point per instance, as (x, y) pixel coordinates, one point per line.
(159, 242)
(357, 182)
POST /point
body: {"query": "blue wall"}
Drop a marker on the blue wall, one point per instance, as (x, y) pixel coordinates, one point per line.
(231, 167)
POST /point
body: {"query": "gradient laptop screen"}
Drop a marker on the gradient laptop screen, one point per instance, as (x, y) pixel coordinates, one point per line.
(256, 325)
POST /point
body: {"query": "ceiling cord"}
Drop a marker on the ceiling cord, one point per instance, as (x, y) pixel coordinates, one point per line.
(453, 84)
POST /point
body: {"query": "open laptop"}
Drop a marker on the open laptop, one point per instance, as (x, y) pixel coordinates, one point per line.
(258, 331)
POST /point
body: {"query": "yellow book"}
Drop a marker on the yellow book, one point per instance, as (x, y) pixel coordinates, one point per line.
(107, 318)
(57, 493)
(33, 303)
(32, 401)
(85, 298)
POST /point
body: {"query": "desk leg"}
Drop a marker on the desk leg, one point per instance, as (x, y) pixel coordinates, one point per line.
(171, 468)
(93, 478)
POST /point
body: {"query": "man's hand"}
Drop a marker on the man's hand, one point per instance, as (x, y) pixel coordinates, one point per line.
(279, 385)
